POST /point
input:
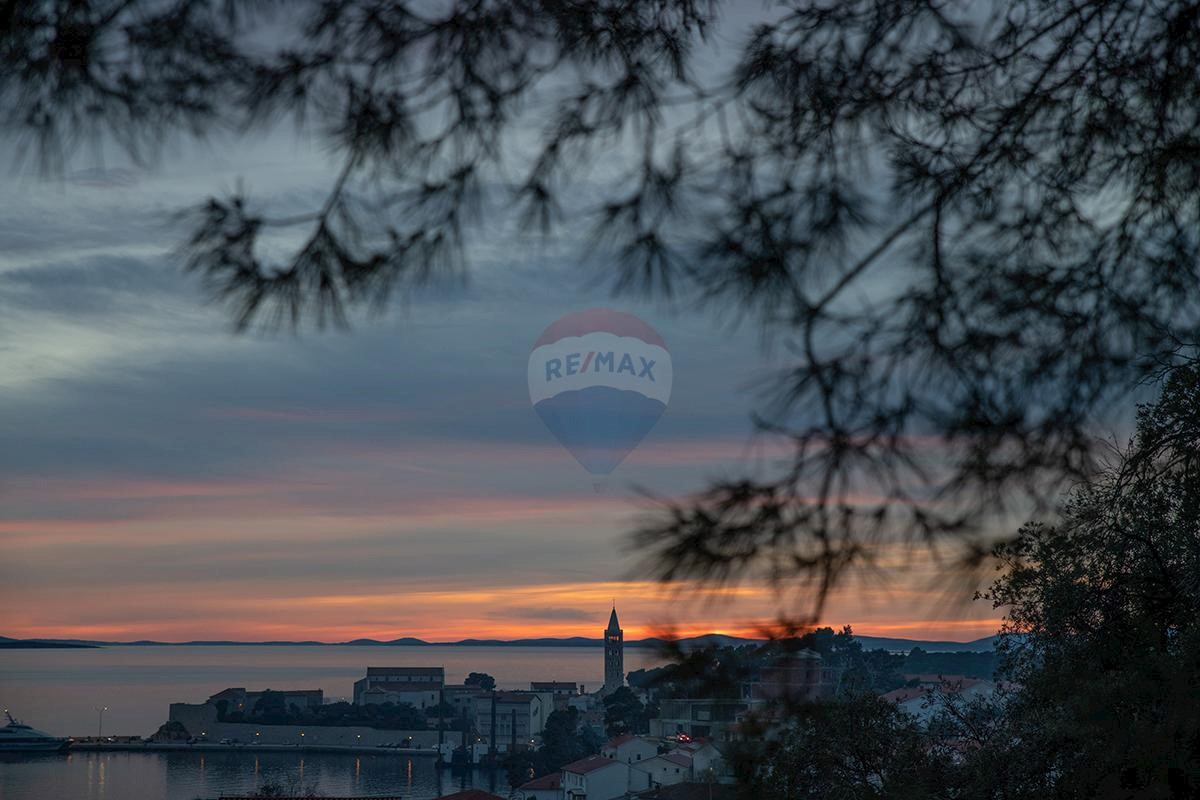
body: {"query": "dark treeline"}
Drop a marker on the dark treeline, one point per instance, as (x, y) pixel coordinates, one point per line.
(270, 709)
(1100, 648)
(720, 672)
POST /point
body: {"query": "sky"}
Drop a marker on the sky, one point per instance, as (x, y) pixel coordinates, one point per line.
(163, 477)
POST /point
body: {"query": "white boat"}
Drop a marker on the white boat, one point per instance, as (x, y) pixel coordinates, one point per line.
(17, 737)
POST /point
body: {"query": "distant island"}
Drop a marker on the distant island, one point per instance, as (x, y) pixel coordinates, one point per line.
(39, 644)
(987, 643)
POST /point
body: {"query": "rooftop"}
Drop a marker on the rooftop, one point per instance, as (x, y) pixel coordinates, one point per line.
(617, 741)
(403, 686)
(513, 698)
(613, 625)
(238, 691)
(551, 781)
(933, 677)
(590, 764)
(904, 693)
(405, 671)
(691, 791)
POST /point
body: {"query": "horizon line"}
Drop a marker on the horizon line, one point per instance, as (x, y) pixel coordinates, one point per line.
(483, 638)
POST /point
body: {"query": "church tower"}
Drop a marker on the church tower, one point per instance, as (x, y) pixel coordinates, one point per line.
(614, 654)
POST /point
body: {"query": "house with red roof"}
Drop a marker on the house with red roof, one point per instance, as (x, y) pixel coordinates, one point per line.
(922, 701)
(547, 787)
(690, 791)
(668, 769)
(600, 778)
(707, 759)
(629, 748)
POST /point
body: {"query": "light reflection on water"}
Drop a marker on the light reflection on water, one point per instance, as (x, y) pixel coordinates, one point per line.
(187, 776)
(58, 690)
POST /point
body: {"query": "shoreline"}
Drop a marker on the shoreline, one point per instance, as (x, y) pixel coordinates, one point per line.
(212, 747)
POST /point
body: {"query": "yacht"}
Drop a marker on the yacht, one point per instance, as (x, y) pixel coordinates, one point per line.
(17, 737)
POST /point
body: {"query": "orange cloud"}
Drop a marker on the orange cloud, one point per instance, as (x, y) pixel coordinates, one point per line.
(250, 611)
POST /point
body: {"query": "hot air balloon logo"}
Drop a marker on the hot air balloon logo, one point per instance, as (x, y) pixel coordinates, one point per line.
(599, 380)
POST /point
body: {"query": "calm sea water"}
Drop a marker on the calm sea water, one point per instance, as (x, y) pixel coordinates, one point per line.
(187, 776)
(59, 691)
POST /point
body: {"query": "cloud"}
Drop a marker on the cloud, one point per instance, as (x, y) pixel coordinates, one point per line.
(570, 614)
(160, 476)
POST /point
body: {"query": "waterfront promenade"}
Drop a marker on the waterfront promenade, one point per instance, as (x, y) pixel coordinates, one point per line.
(91, 744)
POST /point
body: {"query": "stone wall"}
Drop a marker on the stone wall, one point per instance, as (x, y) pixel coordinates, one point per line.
(200, 719)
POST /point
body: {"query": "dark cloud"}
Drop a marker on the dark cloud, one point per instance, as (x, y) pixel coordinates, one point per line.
(104, 286)
(118, 380)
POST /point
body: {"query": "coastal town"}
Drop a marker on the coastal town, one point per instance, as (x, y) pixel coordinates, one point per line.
(636, 736)
(476, 725)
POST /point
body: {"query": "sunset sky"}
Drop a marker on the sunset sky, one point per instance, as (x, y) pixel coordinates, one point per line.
(162, 477)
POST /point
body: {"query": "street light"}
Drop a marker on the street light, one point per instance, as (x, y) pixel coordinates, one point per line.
(100, 723)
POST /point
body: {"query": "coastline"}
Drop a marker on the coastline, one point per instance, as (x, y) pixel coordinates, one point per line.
(214, 747)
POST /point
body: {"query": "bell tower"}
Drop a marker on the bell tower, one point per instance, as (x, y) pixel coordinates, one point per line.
(614, 654)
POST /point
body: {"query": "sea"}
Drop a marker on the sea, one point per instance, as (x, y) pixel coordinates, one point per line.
(126, 690)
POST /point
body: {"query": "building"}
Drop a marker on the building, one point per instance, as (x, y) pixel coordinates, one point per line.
(417, 695)
(555, 687)
(690, 791)
(520, 716)
(417, 681)
(306, 797)
(707, 761)
(547, 787)
(200, 721)
(797, 677)
(629, 749)
(600, 778)
(933, 680)
(715, 719)
(614, 654)
(924, 700)
(667, 769)
(559, 692)
(461, 698)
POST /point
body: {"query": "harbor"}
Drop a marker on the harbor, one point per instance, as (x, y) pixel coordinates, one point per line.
(212, 771)
(91, 745)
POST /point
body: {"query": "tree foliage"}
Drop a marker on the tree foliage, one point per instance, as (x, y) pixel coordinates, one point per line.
(625, 713)
(565, 740)
(1102, 629)
(270, 709)
(857, 748)
(1101, 647)
(722, 672)
(480, 679)
(971, 226)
